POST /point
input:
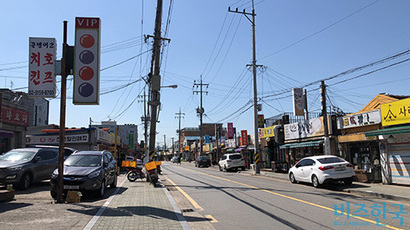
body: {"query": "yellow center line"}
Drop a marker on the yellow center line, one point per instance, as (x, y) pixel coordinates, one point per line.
(295, 199)
(193, 202)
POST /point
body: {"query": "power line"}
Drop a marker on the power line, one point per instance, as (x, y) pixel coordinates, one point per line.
(320, 31)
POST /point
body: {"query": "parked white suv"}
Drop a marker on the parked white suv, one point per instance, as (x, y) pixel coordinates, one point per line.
(231, 161)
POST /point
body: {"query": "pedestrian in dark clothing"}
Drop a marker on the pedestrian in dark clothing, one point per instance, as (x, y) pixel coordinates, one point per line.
(179, 160)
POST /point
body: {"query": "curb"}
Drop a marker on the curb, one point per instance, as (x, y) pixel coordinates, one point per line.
(377, 195)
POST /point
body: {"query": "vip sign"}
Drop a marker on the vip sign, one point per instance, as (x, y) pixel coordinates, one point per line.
(87, 61)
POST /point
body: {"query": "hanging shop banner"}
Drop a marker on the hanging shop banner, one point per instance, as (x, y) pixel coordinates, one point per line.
(231, 132)
(87, 61)
(313, 127)
(268, 132)
(261, 121)
(396, 113)
(42, 61)
(244, 139)
(359, 119)
(298, 102)
(131, 141)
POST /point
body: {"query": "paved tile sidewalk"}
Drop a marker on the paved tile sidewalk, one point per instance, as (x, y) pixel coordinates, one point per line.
(137, 205)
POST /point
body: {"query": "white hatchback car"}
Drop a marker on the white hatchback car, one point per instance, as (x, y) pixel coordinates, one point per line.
(322, 169)
(231, 161)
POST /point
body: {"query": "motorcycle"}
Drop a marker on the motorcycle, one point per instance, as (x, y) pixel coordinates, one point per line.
(135, 173)
(152, 174)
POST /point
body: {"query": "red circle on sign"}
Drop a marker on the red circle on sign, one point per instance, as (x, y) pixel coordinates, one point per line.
(86, 73)
(87, 41)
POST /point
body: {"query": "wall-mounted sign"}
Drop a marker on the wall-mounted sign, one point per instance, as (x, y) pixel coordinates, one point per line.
(77, 138)
(14, 116)
(360, 119)
(313, 127)
(87, 61)
(396, 113)
(42, 60)
(268, 132)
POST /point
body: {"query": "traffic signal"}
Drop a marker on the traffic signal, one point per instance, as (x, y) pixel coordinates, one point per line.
(87, 61)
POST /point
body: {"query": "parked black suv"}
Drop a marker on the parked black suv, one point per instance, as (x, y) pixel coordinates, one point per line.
(24, 166)
(87, 171)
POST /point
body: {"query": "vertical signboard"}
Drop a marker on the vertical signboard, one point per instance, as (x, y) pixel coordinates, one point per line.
(87, 61)
(231, 132)
(244, 135)
(261, 121)
(42, 60)
(298, 102)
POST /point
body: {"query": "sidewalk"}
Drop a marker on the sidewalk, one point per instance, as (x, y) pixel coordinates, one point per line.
(139, 205)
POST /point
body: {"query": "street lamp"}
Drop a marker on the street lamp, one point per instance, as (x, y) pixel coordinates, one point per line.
(169, 86)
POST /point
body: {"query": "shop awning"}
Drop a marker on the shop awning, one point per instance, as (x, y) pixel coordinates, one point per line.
(6, 134)
(301, 144)
(229, 150)
(389, 131)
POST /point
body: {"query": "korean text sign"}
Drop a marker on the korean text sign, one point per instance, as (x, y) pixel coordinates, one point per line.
(396, 113)
(14, 116)
(87, 61)
(42, 59)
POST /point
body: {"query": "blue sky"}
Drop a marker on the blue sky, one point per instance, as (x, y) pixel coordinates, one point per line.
(298, 42)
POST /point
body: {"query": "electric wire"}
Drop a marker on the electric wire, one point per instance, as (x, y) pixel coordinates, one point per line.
(320, 31)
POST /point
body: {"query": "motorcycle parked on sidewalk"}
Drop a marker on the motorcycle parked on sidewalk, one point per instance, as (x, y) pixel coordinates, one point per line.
(135, 173)
(152, 174)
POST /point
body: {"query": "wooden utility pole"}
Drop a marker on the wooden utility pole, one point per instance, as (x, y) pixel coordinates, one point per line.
(60, 198)
(179, 116)
(326, 145)
(200, 112)
(155, 80)
(255, 94)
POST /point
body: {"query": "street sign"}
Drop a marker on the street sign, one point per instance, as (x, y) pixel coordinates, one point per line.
(87, 61)
(42, 60)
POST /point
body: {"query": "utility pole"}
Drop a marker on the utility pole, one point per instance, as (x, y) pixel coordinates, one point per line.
(179, 116)
(64, 73)
(145, 119)
(326, 146)
(155, 80)
(165, 143)
(200, 111)
(255, 94)
(306, 106)
(172, 146)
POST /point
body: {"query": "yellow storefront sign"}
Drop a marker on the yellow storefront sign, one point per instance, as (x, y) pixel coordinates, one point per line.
(396, 113)
(268, 132)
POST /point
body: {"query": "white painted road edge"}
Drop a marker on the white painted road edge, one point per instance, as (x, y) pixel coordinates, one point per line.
(177, 211)
(90, 224)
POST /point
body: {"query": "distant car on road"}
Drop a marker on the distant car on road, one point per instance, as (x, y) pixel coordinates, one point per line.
(202, 161)
(322, 169)
(24, 166)
(87, 171)
(231, 161)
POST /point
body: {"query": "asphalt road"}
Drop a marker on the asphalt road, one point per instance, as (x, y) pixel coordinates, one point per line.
(242, 201)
